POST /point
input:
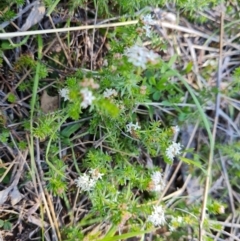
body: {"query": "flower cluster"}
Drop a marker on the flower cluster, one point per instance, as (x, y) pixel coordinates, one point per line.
(64, 93)
(88, 182)
(147, 20)
(175, 129)
(173, 150)
(87, 95)
(140, 56)
(109, 92)
(132, 126)
(157, 183)
(87, 98)
(157, 218)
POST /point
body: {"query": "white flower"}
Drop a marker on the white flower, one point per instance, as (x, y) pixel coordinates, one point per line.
(88, 182)
(137, 56)
(147, 19)
(157, 218)
(96, 174)
(131, 126)
(140, 56)
(152, 57)
(175, 129)
(147, 29)
(87, 98)
(109, 92)
(158, 182)
(85, 182)
(221, 209)
(173, 150)
(64, 93)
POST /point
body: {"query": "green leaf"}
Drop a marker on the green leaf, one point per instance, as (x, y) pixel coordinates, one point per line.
(6, 45)
(152, 80)
(156, 95)
(194, 163)
(11, 45)
(7, 226)
(126, 235)
(172, 61)
(164, 68)
(1, 223)
(69, 130)
(188, 68)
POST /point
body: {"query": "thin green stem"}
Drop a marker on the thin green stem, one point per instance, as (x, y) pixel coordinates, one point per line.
(33, 102)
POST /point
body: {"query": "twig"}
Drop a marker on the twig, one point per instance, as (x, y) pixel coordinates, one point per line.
(61, 43)
(60, 30)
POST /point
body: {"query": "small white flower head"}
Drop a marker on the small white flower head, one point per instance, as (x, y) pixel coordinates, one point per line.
(157, 218)
(140, 56)
(64, 93)
(137, 55)
(152, 57)
(109, 93)
(147, 19)
(147, 29)
(96, 174)
(175, 129)
(87, 98)
(85, 182)
(132, 126)
(88, 182)
(173, 150)
(221, 209)
(157, 183)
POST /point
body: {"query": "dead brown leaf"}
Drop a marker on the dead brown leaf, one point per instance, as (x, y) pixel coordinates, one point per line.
(37, 221)
(7, 192)
(35, 16)
(15, 196)
(48, 103)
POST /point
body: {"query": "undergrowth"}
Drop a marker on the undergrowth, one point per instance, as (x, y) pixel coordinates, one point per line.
(126, 121)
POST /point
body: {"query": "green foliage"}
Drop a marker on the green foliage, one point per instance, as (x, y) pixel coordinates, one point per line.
(12, 98)
(120, 7)
(8, 15)
(7, 177)
(233, 153)
(4, 135)
(22, 145)
(192, 6)
(6, 225)
(6, 7)
(123, 194)
(72, 233)
(45, 126)
(43, 71)
(49, 3)
(56, 180)
(24, 62)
